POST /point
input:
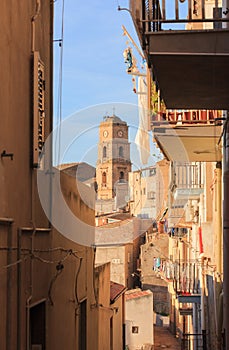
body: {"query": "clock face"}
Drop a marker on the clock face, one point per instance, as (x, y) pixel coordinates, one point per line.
(105, 133)
(120, 133)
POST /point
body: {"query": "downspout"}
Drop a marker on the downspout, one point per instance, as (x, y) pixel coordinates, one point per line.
(218, 274)
(202, 285)
(8, 222)
(203, 323)
(123, 321)
(226, 236)
(225, 13)
(9, 289)
(218, 172)
(31, 291)
(19, 292)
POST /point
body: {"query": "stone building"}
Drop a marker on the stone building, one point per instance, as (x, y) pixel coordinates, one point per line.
(47, 274)
(113, 164)
(139, 323)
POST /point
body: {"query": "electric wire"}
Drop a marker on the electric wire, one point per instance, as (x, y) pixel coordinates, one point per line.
(76, 282)
(58, 273)
(28, 253)
(60, 91)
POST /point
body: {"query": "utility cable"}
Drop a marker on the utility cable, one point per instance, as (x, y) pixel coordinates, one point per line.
(60, 92)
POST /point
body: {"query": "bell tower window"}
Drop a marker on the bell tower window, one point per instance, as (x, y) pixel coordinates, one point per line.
(121, 176)
(104, 178)
(120, 152)
(104, 152)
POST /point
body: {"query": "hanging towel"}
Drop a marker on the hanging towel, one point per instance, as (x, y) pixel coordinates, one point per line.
(142, 136)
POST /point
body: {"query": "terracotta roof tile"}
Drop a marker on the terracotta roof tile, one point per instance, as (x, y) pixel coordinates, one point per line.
(137, 294)
(116, 290)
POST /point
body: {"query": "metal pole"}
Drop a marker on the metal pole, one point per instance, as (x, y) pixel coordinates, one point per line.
(225, 13)
(226, 234)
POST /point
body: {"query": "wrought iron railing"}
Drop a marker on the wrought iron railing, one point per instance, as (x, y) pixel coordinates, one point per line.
(192, 341)
(152, 15)
(186, 117)
(183, 274)
(186, 280)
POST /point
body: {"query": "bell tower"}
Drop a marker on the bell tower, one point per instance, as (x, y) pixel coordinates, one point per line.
(113, 164)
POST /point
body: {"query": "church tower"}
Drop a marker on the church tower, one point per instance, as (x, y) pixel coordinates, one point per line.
(113, 164)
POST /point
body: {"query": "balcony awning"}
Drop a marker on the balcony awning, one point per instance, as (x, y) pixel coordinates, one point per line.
(192, 298)
(190, 143)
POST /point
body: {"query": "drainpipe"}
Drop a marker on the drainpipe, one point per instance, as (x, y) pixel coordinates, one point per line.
(218, 226)
(8, 222)
(218, 272)
(225, 13)
(203, 323)
(19, 292)
(226, 236)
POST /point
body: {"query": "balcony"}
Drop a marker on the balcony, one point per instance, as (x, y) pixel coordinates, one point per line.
(190, 143)
(186, 47)
(185, 117)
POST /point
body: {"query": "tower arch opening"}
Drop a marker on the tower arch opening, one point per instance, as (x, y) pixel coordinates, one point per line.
(120, 152)
(104, 151)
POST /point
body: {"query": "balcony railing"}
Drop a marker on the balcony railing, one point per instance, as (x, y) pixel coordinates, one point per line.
(187, 175)
(183, 274)
(190, 117)
(186, 277)
(155, 15)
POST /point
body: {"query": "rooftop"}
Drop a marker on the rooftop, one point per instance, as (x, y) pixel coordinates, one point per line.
(113, 119)
(116, 290)
(137, 293)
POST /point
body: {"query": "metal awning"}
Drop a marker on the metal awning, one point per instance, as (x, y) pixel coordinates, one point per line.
(195, 143)
(192, 298)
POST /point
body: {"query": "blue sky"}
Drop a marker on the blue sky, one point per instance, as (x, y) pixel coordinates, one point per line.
(94, 78)
(93, 64)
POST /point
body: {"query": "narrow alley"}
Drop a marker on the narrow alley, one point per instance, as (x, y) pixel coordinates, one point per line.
(164, 339)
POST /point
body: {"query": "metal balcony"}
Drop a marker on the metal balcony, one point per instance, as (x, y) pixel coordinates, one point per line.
(187, 117)
(186, 47)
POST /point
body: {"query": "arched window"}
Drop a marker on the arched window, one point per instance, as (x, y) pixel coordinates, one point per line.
(104, 178)
(120, 152)
(104, 152)
(121, 176)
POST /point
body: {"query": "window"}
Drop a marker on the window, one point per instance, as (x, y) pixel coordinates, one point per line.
(121, 175)
(135, 329)
(152, 172)
(120, 152)
(104, 178)
(104, 152)
(151, 195)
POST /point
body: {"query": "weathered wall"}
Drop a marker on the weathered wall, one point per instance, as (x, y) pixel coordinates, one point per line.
(26, 281)
(121, 260)
(136, 316)
(153, 279)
